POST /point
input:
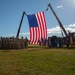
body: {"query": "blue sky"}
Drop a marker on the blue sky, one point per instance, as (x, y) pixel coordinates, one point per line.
(11, 13)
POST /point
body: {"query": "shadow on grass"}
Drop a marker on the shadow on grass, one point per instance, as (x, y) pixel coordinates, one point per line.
(35, 47)
(46, 47)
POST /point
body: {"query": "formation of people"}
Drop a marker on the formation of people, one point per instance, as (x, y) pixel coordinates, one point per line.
(13, 43)
(55, 41)
(22, 43)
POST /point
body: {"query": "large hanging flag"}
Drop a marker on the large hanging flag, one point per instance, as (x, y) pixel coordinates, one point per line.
(38, 29)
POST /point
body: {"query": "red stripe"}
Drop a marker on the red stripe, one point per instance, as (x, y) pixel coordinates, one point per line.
(39, 28)
(42, 24)
(31, 35)
(35, 35)
(45, 26)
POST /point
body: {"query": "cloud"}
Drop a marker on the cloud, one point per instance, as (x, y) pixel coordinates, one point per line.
(27, 33)
(21, 34)
(54, 30)
(72, 25)
(57, 30)
(60, 6)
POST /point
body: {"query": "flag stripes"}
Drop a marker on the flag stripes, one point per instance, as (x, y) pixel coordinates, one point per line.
(38, 32)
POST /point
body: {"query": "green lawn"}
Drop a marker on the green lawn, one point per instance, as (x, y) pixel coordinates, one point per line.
(37, 61)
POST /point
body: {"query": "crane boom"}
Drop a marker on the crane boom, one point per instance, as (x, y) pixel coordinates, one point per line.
(60, 24)
(17, 36)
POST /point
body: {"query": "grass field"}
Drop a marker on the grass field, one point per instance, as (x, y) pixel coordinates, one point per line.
(37, 61)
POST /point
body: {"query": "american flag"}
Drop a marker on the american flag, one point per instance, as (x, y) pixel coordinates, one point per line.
(38, 29)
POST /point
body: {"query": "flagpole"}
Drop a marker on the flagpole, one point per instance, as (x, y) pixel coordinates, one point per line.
(60, 24)
(17, 36)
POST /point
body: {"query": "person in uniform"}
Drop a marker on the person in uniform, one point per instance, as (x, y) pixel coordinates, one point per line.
(26, 42)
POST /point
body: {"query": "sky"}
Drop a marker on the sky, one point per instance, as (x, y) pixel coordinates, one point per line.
(11, 12)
